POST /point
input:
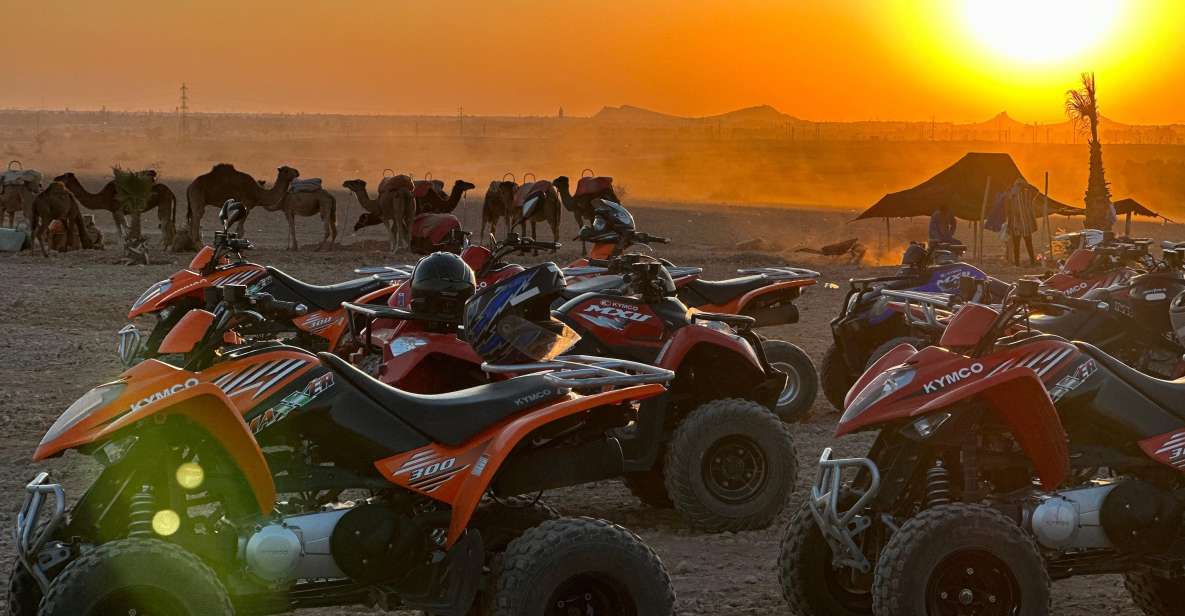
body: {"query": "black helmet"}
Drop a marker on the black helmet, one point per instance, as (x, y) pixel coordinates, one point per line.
(1177, 316)
(510, 322)
(914, 255)
(440, 284)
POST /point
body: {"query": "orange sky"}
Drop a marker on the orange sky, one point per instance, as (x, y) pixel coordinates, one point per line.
(819, 60)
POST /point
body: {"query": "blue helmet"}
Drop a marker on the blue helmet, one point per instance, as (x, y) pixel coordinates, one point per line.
(510, 322)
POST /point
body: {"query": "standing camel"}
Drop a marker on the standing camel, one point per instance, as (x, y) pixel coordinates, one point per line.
(17, 198)
(56, 203)
(311, 203)
(225, 182)
(498, 205)
(394, 209)
(431, 198)
(163, 200)
(547, 209)
(587, 189)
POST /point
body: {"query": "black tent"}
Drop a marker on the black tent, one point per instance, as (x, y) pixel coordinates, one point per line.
(1131, 206)
(960, 186)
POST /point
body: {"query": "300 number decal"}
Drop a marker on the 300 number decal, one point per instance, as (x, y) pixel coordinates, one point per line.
(432, 469)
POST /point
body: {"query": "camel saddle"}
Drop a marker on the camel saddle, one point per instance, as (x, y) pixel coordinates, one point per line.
(429, 232)
(308, 185)
(526, 192)
(593, 186)
(16, 177)
(395, 182)
(421, 188)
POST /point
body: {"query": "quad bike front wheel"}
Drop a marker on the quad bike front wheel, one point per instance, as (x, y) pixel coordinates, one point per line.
(582, 566)
(1156, 595)
(834, 377)
(23, 592)
(960, 560)
(730, 466)
(137, 576)
(811, 583)
(802, 380)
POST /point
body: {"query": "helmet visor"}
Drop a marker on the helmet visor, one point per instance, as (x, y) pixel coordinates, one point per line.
(539, 342)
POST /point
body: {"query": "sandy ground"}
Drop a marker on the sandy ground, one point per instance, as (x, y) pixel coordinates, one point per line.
(59, 316)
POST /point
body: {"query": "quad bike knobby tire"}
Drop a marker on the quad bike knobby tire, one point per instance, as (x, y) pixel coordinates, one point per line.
(880, 351)
(143, 576)
(582, 566)
(959, 557)
(1156, 595)
(23, 592)
(730, 466)
(500, 522)
(802, 380)
(833, 377)
(811, 584)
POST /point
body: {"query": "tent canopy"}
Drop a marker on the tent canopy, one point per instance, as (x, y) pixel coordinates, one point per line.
(960, 187)
(1126, 206)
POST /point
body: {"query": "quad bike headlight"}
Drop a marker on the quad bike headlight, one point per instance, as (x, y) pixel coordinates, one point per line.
(90, 401)
(882, 386)
(152, 292)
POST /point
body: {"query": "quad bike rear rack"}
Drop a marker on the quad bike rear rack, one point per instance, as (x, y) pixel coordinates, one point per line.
(781, 273)
(921, 308)
(386, 272)
(29, 539)
(585, 371)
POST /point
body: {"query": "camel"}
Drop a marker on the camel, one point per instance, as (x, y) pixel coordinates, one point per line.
(320, 202)
(547, 209)
(224, 182)
(430, 196)
(163, 201)
(56, 204)
(498, 204)
(16, 198)
(394, 208)
(581, 204)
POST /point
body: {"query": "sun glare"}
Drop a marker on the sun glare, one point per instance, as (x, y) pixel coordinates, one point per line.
(1041, 31)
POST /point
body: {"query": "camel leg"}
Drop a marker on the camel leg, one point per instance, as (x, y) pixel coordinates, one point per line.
(120, 223)
(40, 236)
(195, 225)
(328, 230)
(291, 230)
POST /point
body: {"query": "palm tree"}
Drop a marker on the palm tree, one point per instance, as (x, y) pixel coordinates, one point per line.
(1082, 106)
(133, 190)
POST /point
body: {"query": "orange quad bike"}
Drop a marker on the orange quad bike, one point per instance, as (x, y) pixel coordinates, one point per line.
(259, 477)
(320, 325)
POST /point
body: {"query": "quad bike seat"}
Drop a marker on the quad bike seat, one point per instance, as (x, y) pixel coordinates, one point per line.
(328, 297)
(454, 417)
(719, 292)
(1169, 395)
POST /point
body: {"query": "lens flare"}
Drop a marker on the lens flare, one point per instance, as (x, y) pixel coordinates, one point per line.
(166, 522)
(190, 475)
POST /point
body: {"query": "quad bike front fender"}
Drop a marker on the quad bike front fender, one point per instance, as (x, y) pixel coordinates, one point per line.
(205, 405)
(461, 475)
(1018, 397)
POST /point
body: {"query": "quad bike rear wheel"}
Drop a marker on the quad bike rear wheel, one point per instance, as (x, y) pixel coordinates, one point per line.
(730, 466)
(582, 566)
(802, 380)
(960, 560)
(500, 522)
(137, 576)
(811, 584)
(1156, 595)
(834, 377)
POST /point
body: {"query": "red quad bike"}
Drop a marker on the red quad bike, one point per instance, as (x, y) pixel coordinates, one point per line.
(261, 478)
(1098, 260)
(766, 294)
(716, 451)
(319, 326)
(1000, 463)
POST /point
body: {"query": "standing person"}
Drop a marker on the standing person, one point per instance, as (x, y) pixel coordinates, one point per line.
(943, 225)
(1021, 221)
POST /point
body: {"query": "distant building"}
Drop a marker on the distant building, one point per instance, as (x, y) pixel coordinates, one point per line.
(561, 113)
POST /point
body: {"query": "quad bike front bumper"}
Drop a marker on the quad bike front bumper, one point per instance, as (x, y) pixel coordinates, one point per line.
(841, 519)
(33, 549)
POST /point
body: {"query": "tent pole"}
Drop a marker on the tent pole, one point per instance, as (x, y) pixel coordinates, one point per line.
(987, 189)
(1048, 233)
(887, 234)
(1127, 225)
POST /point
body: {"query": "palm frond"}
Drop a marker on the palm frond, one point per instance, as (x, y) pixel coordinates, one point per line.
(133, 189)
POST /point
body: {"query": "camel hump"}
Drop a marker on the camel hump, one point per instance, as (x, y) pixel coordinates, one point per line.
(307, 185)
(222, 168)
(593, 186)
(395, 182)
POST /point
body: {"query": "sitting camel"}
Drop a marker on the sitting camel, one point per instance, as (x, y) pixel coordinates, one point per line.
(224, 182)
(547, 208)
(394, 208)
(54, 206)
(163, 201)
(498, 205)
(310, 203)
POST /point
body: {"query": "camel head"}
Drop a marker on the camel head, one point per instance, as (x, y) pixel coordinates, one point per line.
(66, 177)
(354, 185)
(462, 185)
(561, 182)
(367, 219)
(286, 173)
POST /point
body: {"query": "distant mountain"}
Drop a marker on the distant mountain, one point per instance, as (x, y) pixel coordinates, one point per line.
(749, 117)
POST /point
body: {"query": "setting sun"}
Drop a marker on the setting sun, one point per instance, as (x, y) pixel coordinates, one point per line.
(1041, 31)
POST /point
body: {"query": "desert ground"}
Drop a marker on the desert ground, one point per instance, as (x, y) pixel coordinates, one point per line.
(60, 314)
